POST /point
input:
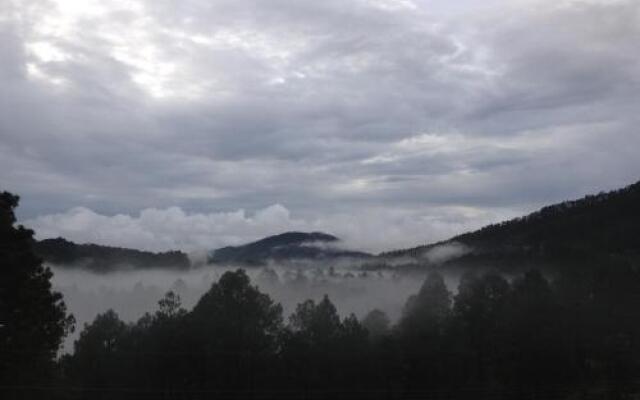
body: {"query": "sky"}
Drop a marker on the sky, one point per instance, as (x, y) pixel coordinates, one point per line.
(196, 124)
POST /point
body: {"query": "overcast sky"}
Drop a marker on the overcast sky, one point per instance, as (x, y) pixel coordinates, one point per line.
(194, 124)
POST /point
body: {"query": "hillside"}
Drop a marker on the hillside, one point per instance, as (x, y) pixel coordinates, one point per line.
(287, 246)
(98, 258)
(602, 225)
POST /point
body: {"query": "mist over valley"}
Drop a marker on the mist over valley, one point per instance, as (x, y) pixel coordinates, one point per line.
(338, 199)
(295, 266)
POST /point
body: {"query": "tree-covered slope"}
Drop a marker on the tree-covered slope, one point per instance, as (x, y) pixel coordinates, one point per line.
(98, 258)
(284, 247)
(605, 224)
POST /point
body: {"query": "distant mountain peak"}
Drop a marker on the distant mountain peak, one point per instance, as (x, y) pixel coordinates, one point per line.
(285, 246)
(297, 237)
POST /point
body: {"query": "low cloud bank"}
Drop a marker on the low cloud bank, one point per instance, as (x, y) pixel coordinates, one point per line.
(445, 252)
(132, 293)
(153, 229)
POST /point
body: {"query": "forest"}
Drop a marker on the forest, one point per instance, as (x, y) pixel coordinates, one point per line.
(533, 335)
(103, 259)
(556, 237)
(302, 199)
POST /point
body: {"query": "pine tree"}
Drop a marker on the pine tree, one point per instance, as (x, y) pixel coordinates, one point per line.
(33, 318)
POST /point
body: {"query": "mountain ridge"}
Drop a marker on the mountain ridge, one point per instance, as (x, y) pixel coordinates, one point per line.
(605, 224)
(598, 225)
(99, 258)
(285, 246)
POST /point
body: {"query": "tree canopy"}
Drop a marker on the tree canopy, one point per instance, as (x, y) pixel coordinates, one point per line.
(33, 317)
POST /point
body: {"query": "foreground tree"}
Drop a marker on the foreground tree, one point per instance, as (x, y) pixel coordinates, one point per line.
(33, 318)
(427, 312)
(424, 321)
(499, 340)
(319, 348)
(377, 323)
(234, 332)
(479, 325)
(98, 360)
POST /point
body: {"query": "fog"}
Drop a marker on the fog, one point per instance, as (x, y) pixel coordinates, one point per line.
(445, 252)
(131, 293)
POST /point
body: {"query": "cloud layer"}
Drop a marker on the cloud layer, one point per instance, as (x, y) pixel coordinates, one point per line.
(118, 113)
(172, 228)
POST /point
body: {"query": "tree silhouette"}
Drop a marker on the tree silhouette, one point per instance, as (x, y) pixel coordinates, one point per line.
(97, 359)
(377, 323)
(235, 330)
(536, 357)
(319, 348)
(424, 320)
(500, 339)
(316, 324)
(169, 307)
(33, 318)
(427, 311)
(479, 324)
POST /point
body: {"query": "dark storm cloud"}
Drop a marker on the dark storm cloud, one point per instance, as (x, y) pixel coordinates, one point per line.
(424, 117)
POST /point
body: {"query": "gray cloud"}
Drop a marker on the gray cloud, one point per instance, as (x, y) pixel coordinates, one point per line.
(342, 112)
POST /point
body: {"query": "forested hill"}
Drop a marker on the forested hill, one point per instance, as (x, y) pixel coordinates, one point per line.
(602, 224)
(286, 246)
(98, 258)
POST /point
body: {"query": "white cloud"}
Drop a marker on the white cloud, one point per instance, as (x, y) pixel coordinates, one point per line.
(343, 111)
(163, 229)
(172, 228)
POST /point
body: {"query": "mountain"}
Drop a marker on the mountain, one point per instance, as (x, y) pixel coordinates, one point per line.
(594, 227)
(98, 258)
(289, 246)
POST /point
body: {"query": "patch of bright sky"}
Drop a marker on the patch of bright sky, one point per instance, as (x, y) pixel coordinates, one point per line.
(433, 143)
(139, 49)
(391, 5)
(46, 52)
(36, 72)
(135, 48)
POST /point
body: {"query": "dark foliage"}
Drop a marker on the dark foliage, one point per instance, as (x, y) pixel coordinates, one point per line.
(104, 258)
(575, 337)
(596, 226)
(33, 318)
(570, 334)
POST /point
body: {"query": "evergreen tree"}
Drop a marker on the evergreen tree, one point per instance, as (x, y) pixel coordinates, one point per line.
(377, 323)
(424, 321)
(98, 353)
(234, 332)
(427, 311)
(33, 317)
